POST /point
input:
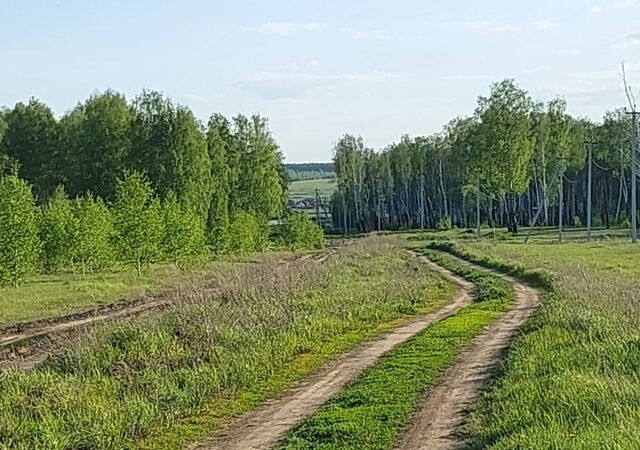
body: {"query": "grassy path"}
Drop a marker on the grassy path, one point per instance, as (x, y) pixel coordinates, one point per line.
(264, 427)
(430, 379)
(444, 408)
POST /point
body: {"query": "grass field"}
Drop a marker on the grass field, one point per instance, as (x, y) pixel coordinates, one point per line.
(299, 190)
(163, 380)
(372, 412)
(571, 380)
(47, 296)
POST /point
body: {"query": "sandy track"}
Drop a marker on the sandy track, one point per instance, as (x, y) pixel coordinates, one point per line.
(264, 427)
(445, 407)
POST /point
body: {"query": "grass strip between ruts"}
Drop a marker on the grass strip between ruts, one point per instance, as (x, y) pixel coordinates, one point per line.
(373, 410)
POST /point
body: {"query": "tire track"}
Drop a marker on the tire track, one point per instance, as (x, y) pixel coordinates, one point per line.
(445, 407)
(25, 345)
(264, 427)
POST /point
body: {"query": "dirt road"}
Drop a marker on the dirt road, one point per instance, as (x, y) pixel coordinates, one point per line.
(444, 407)
(24, 345)
(264, 427)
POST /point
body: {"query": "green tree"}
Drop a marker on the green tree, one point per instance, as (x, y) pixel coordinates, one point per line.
(260, 187)
(502, 143)
(218, 141)
(138, 220)
(300, 232)
(56, 227)
(92, 234)
(168, 145)
(19, 243)
(246, 233)
(98, 145)
(31, 139)
(183, 242)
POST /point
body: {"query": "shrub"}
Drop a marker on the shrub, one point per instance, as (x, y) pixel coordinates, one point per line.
(138, 220)
(626, 223)
(577, 221)
(444, 223)
(92, 234)
(246, 233)
(56, 226)
(299, 232)
(19, 242)
(183, 242)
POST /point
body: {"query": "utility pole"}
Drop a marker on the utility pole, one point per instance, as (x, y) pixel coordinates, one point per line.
(318, 207)
(634, 175)
(478, 205)
(560, 205)
(589, 145)
(560, 197)
(344, 216)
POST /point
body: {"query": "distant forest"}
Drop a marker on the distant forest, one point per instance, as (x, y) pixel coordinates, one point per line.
(310, 171)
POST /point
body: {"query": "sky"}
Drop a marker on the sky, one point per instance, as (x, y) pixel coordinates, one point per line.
(319, 69)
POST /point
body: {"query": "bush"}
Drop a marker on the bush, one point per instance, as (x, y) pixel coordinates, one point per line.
(19, 242)
(444, 223)
(246, 233)
(183, 242)
(56, 226)
(300, 232)
(138, 220)
(626, 223)
(577, 221)
(92, 235)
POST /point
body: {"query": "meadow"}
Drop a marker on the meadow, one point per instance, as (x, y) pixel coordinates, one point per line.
(165, 379)
(571, 379)
(46, 296)
(299, 190)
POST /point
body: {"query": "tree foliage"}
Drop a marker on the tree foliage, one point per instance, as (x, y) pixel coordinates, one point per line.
(246, 233)
(31, 139)
(92, 235)
(183, 242)
(55, 228)
(138, 220)
(300, 232)
(19, 243)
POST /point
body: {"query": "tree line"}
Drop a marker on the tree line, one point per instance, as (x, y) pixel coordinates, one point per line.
(118, 182)
(513, 151)
(310, 171)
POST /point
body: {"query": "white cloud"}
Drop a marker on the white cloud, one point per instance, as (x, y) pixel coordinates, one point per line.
(374, 34)
(536, 69)
(595, 9)
(286, 28)
(626, 41)
(468, 24)
(288, 85)
(479, 25)
(570, 52)
(313, 64)
(469, 77)
(546, 24)
(505, 28)
(624, 4)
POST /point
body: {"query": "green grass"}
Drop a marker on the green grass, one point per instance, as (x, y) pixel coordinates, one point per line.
(572, 380)
(164, 380)
(299, 190)
(46, 296)
(373, 410)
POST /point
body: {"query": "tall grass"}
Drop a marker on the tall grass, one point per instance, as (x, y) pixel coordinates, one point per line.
(572, 380)
(142, 382)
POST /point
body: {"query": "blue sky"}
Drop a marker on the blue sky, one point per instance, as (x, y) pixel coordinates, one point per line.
(320, 69)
